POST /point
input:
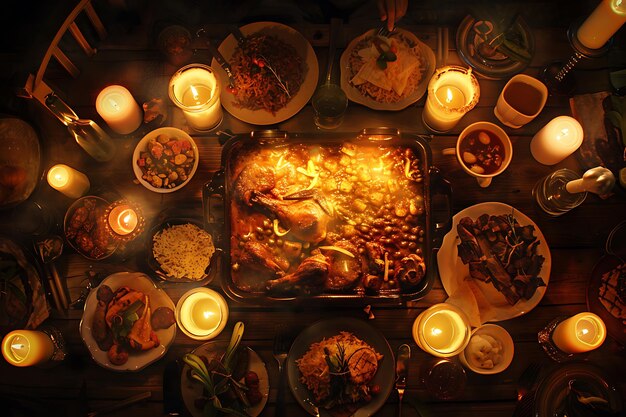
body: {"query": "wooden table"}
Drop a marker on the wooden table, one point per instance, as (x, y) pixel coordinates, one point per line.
(576, 240)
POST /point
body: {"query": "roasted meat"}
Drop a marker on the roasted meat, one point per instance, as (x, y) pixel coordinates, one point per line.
(255, 255)
(253, 178)
(311, 273)
(123, 298)
(344, 271)
(141, 336)
(305, 219)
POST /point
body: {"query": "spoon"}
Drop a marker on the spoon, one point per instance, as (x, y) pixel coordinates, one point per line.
(49, 249)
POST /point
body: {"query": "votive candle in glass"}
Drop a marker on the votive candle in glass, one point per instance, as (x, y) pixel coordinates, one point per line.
(195, 89)
(442, 330)
(118, 108)
(602, 23)
(68, 181)
(124, 220)
(452, 92)
(556, 140)
(201, 313)
(580, 333)
(27, 348)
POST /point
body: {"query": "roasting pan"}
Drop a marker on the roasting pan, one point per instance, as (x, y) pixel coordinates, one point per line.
(219, 192)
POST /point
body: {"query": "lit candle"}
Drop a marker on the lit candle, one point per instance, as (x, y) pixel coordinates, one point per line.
(67, 180)
(195, 89)
(202, 313)
(605, 20)
(557, 140)
(442, 330)
(118, 109)
(27, 347)
(580, 333)
(123, 219)
(452, 92)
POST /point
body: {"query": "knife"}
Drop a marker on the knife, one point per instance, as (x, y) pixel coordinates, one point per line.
(241, 38)
(172, 400)
(402, 366)
(219, 58)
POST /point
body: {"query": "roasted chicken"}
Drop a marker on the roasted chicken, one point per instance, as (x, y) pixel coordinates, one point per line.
(141, 336)
(253, 178)
(311, 273)
(255, 255)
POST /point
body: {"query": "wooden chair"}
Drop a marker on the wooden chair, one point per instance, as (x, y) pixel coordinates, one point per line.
(35, 86)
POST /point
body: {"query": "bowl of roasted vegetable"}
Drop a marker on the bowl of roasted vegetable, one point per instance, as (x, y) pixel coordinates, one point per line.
(85, 230)
(165, 160)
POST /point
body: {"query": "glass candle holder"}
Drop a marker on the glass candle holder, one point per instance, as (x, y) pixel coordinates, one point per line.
(123, 220)
(195, 89)
(563, 338)
(202, 313)
(24, 348)
(452, 92)
(442, 330)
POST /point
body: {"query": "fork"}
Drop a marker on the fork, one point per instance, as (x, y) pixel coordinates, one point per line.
(384, 31)
(280, 349)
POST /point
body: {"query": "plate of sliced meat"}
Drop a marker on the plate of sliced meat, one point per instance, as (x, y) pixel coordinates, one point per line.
(494, 263)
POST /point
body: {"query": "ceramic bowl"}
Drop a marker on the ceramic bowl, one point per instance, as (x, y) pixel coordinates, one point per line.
(507, 351)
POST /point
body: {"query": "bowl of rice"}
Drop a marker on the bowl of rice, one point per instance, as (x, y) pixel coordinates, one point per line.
(180, 250)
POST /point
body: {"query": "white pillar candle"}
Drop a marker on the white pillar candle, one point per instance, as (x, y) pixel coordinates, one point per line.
(201, 313)
(195, 89)
(442, 330)
(118, 109)
(580, 333)
(123, 219)
(69, 181)
(452, 92)
(602, 23)
(27, 347)
(556, 140)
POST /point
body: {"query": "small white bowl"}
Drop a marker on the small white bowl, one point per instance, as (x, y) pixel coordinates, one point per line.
(141, 146)
(501, 335)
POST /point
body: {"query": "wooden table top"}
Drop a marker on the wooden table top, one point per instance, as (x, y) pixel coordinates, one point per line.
(576, 239)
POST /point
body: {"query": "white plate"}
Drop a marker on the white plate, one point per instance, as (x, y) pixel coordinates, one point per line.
(453, 272)
(192, 389)
(428, 60)
(141, 146)
(158, 298)
(297, 102)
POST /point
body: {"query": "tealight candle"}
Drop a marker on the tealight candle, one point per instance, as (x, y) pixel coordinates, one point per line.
(27, 348)
(195, 89)
(602, 23)
(580, 333)
(556, 140)
(442, 330)
(202, 313)
(68, 181)
(117, 107)
(452, 92)
(123, 219)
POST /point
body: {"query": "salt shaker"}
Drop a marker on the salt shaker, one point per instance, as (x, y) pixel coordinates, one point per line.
(564, 189)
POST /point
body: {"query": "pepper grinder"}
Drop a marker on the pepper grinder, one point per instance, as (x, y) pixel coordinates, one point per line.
(564, 189)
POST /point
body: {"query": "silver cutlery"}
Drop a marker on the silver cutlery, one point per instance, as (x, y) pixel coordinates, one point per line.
(402, 364)
(280, 350)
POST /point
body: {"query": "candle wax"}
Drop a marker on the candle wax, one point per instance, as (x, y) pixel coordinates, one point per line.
(206, 315)
(123, 220)
(586, 331)
(603, 22)
(450, 96)
(439, 331)
(58, 176)
(580, 333)
(27, 347)
(68, 181)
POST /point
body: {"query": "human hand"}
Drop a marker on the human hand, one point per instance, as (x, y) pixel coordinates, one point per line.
(392, 11)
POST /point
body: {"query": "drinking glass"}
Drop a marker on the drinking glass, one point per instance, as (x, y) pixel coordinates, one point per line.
(329, 104)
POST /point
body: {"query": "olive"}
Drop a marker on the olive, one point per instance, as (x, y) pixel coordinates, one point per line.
(421, 233)
(363, 228)
(404, 244)
(398, 255)
(306, 245)
(412, 245)
(412, 238)
(415, 230)
(271, 241)
(267, 223)
(269, 232)
(396, 238)
(421, 240)
(405, 228)
(378, 223)
(392, 282)
(279, 242)
(388, 230)
(260, 230)
(387, 241)
(406, 236)
(419, 251)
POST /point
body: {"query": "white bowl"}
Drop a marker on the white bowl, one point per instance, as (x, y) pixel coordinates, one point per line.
(141, 146)
(501, 335)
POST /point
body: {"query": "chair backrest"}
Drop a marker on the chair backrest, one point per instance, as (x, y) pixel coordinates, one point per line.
(35, 86)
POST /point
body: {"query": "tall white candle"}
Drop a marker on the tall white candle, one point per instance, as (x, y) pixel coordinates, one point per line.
(67, 180)
(201, 313)
(27, 347)
(580, 333)
(452, 92)
(195, 89)
(556, 140)
(118, 109)
(442, 330)
(602, 23)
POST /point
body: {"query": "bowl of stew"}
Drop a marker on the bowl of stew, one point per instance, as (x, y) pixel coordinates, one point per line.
(484, 150)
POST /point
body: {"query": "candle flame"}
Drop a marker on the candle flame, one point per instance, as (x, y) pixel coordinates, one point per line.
(194, 92)
(436, 331)
(585, 331)
(114, 104)
(208, 314)
(564, 132)
(126, 219)
(448, 95)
